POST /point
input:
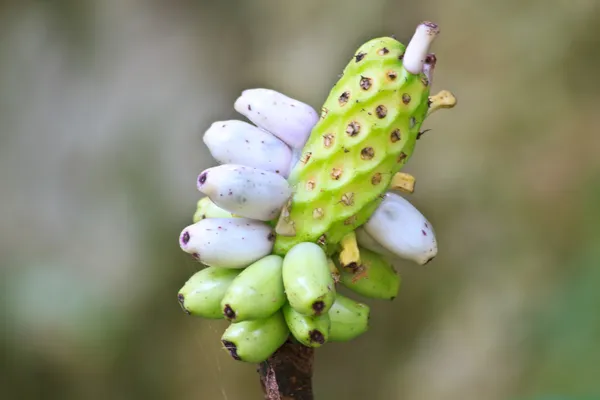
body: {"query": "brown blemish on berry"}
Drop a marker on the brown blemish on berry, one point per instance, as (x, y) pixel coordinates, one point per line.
(306, 157)
(402, 157)
(181, 300)
(344, 97)
(249, 107)
(383, 51)
(401, 56)
(348, 199)
(353, 128)
(350, 221)
(271, 237)
(376, 178)
(352, 266)
(365, 83)
(310, 185)
(316, 337)
(336, 173)
(228, 312)
(318, 213)
(328, 140)
(367, 153)
(318, 307)
(395, 135)
(392, 75)
(232, 348)
(381, 111)
(358, 57)
(406, 98)
(322, 240)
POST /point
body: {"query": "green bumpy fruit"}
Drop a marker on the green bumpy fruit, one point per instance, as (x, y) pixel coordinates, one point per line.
(349, 319)
(207, 209)
(202, 293)
(367, 131)
(254, 341)
(374, 277)
(307, 279)
(257, 292)
(310, 331)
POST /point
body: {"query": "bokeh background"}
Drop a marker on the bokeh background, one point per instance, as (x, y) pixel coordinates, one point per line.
(103, 104)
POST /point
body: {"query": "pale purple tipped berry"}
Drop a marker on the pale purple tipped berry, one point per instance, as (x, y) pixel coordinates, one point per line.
(418, 47)
(288, 119)
(227, 242)
(400, 228)
(238, 142)
(245, 191)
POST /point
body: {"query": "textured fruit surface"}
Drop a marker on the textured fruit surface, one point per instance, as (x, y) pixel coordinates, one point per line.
(374, 277)
(254, 341)
(367, 131)
(257, 292)
(307, 279)
(349, 319)
(310, 331)
(202, 293)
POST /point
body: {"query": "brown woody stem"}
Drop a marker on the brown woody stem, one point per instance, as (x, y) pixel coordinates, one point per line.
(287, 374)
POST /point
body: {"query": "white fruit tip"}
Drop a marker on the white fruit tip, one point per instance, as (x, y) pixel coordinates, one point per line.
(418, 47)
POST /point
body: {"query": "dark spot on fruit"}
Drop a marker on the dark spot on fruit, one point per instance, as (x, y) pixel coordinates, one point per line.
(412, 122)
(318, 307)
(185, 238)
(232, 348)
(395, 135)
(344, 97)
(271, 237)
(324, 112)
(228, 312)
(202, 178)
(365, 83)
(423, 232)
(316, 337)
(392, 75)
(336, 173)
(383, 51)
(346, 150)
(322, 240)
(310, 185)
(406, 98)
(353, 128)
(249, 107)
(328, 140)
(367, 153)
(381, 111)
(181, 299)
(196, 255)
(402, 157)
(306, 157)
(376, 179)
(430, 59)
(348, 199)
(401, 56)
(358, 57)
(352, 266)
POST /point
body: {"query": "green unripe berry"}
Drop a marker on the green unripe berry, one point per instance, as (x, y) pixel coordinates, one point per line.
(310, 331)
(349, 319)
(202, 293)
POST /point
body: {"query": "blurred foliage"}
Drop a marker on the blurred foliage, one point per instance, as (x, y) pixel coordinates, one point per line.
(102, 109)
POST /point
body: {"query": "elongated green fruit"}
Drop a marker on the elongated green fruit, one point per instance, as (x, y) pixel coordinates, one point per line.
(207, 209)
(307, 279)
(374, 277)
(310, 331)
(349, 319)
(202, 293)
(257, 292)
(254, 341)
(367, 131)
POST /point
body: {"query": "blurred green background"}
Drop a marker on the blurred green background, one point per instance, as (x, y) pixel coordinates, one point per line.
(103, 104)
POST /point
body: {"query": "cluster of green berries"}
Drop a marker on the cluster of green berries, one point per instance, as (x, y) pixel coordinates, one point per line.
(302, 202)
